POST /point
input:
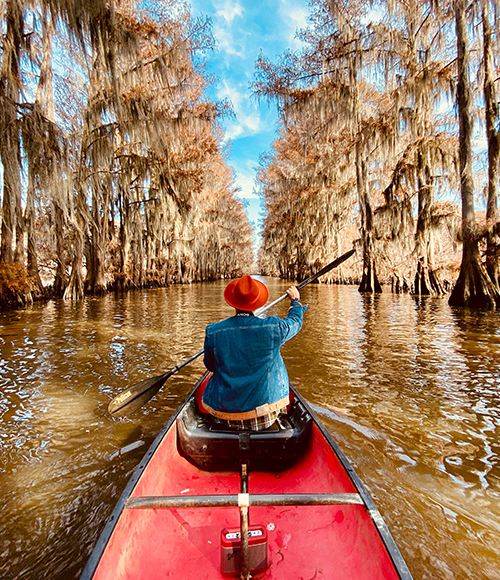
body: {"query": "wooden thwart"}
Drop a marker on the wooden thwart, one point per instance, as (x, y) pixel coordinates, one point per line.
(236, 500)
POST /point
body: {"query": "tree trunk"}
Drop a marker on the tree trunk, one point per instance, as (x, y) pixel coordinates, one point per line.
(122, 279)
(96, 268)
(426, 279)
(75, 288)
(491, 113)
(55, 180)
(32, 259)
(9, 129)
(9, 155)
(474, 287)
(20, 251)
(136, 247)
(44, 106)
(12, 229)
(369, 280)
(60, 278)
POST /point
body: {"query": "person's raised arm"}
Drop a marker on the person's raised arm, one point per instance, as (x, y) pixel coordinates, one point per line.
(292, 323)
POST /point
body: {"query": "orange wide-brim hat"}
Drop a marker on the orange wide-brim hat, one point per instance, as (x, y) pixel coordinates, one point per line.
(246, 294)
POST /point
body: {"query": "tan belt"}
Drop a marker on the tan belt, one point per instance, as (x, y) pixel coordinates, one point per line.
(253, 414)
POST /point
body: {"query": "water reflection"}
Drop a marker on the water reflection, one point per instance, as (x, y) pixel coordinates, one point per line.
(409, 388)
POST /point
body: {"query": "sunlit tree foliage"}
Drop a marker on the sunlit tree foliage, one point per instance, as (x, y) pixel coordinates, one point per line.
(375, 147)
(112, 169)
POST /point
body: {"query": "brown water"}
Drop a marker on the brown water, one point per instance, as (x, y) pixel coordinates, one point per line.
(408, 388)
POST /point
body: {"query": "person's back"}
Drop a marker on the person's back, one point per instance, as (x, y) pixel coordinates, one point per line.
(250, 381)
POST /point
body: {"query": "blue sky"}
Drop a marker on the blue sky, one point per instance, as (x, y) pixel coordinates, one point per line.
(242, 30)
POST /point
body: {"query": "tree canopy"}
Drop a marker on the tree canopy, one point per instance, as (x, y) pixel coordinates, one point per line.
(373, 151)
(114, 174)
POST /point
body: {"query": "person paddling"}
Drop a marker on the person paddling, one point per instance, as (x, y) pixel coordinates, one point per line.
(249, 387)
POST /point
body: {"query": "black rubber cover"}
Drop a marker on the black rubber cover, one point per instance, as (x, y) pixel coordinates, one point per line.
(206, 443)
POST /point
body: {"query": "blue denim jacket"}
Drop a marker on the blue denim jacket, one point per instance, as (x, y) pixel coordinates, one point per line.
(244, 354)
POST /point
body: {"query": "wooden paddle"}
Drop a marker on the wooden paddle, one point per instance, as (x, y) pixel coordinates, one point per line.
(140, 393)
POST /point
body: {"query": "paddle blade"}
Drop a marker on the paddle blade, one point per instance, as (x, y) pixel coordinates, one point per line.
(138, 394)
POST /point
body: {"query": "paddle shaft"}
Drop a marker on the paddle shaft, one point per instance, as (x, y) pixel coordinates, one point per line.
(307, 281)
(267, 307)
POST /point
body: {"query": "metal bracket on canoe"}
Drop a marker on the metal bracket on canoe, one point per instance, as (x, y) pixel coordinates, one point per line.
(252, 499)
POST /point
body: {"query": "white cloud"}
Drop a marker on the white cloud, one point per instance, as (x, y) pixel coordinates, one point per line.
(226, 42)
(298, 16)
(294, 17)
(252, 121)
(244, 126)
(248, 121)
(225, 13)
(245, 182)
(227, 91)
(244, 179)
(229, 10)
(233, 131)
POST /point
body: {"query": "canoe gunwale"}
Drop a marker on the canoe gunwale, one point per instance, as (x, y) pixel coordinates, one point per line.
(382, 528)
(376, 516)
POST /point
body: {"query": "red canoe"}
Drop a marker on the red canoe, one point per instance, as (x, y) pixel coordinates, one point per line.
(181, 513)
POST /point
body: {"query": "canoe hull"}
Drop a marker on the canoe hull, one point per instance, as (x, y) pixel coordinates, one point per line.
(339, 541)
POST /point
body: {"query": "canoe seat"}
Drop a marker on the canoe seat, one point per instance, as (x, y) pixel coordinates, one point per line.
(211, 446)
